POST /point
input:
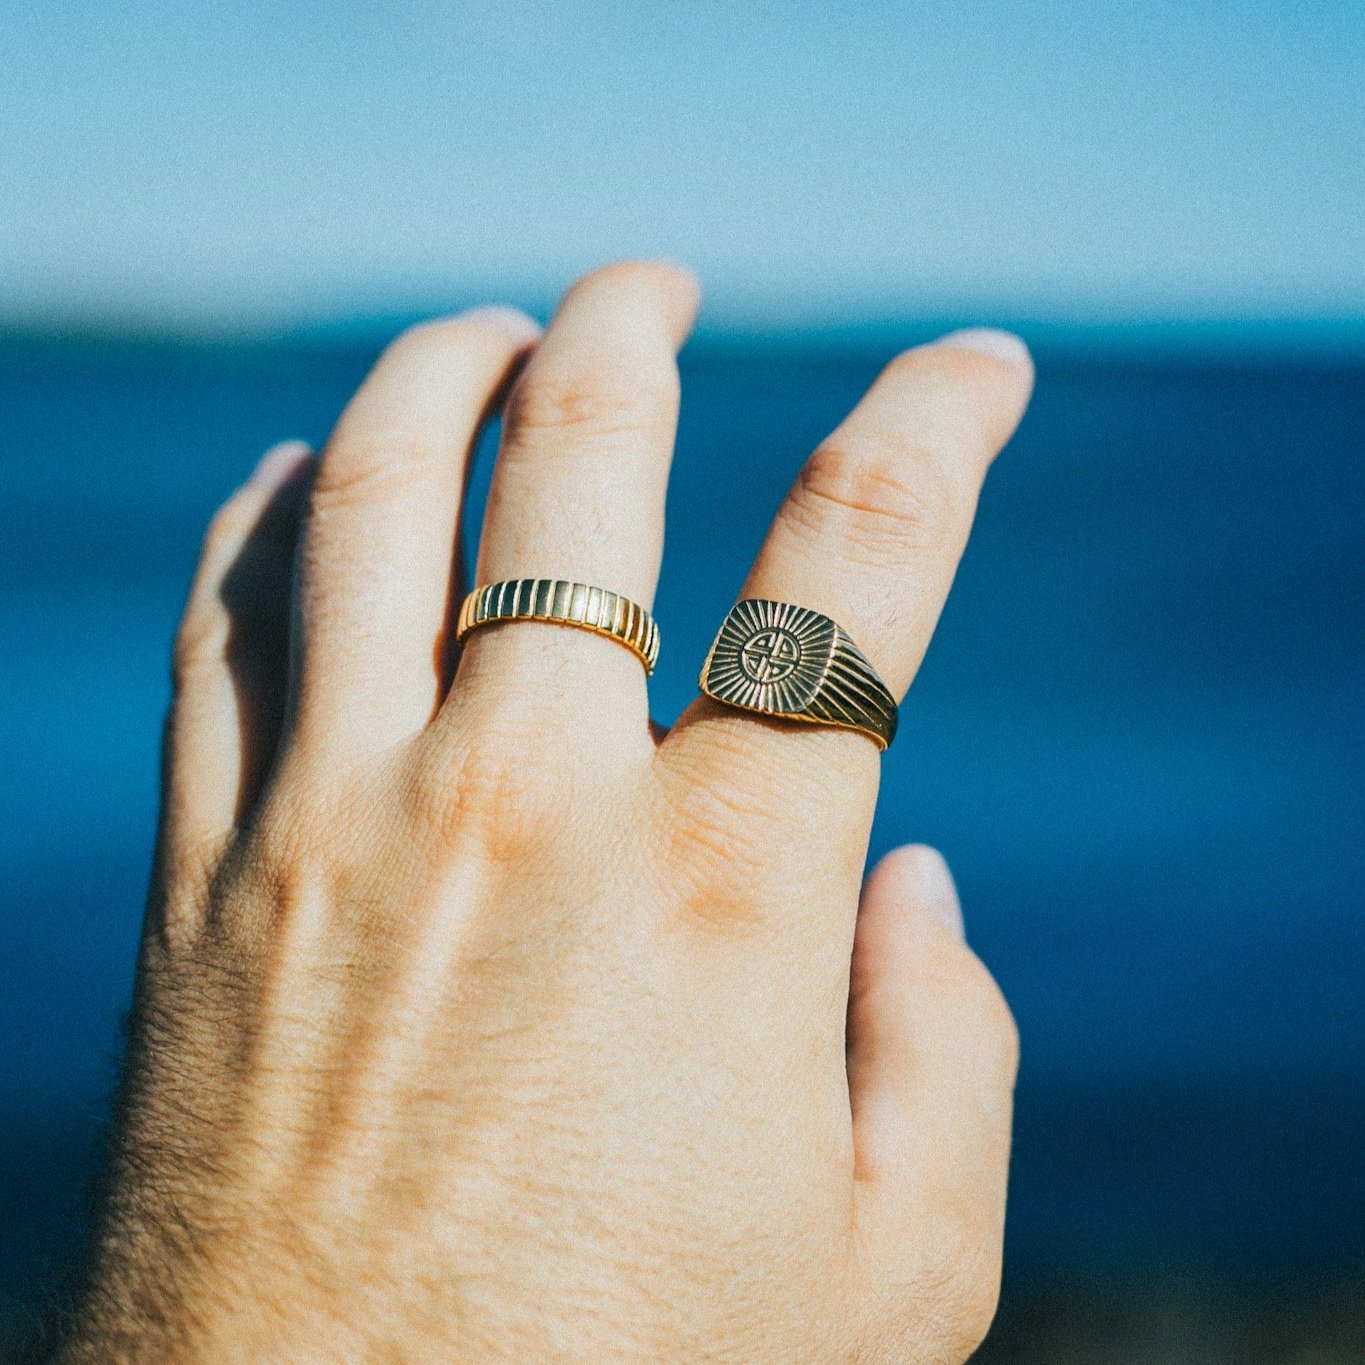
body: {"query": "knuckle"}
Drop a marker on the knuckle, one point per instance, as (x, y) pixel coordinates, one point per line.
(972, 1309)
(203, 634)
(188, 866)
(302, 854)
(970, 994)
(367, 471)
(709, 828)
(185, 874)
(956, 1292)
(1007, 1034)
(201, 642)
(886, 497)
(965, 1323)
(590, 400)
(996, 1018)
(229, 525)
(715, 825)
(978, 1000)
(488, 797)
(723, 814)
(282, 842)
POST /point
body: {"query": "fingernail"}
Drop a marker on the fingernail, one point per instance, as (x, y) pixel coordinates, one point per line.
(992, 342)
(933, 887)
(279, 462)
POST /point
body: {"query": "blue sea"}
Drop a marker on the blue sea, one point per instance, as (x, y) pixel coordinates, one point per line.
(1139, 737)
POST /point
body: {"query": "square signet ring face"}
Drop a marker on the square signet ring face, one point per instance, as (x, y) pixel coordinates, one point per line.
(779, 659)
(769, 657)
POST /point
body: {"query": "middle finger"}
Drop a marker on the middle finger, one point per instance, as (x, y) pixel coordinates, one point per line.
(579, 484)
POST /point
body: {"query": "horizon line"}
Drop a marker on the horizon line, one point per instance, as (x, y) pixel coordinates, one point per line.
(1072, 331)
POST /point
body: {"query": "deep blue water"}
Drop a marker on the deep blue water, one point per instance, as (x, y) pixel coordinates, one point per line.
(1139, 737)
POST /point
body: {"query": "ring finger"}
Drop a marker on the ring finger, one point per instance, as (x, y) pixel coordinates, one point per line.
(870, 535)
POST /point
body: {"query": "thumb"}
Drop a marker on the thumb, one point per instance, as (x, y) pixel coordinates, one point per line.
(932, 1051)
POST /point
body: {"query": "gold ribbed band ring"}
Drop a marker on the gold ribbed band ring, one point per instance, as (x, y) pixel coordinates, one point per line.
(562, 603)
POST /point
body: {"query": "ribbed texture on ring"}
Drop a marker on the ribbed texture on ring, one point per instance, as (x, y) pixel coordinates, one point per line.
(852, 694)
(565, 603)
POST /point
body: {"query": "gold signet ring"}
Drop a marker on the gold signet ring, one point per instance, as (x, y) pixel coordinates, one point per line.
(782, 660)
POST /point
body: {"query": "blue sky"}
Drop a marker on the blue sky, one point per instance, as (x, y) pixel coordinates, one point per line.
(261, 162)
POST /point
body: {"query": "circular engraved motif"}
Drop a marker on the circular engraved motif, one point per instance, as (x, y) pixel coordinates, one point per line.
(770, 655)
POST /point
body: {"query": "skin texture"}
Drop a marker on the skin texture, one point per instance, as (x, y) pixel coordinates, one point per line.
(479, 1020)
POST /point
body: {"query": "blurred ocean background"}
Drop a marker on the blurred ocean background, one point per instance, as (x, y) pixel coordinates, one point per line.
(1140, 733)
(1139, 737)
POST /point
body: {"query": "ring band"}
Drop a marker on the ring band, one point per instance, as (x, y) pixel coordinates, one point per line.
(562, 603)
(783, 660)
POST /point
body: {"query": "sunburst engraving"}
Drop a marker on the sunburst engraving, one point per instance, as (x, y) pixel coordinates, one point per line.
(769, 656)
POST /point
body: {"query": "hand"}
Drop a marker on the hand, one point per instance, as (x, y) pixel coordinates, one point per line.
(478, 1021)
